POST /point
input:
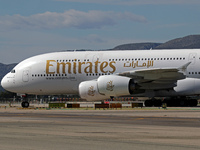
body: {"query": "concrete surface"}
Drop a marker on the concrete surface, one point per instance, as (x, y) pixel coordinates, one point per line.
(141, 129)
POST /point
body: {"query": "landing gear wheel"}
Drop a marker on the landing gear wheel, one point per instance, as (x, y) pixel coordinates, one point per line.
(193, 102)
(181, 102)
(148, 103)
(157, 103)
(25, 104)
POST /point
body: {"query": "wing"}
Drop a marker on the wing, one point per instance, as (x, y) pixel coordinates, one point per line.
(157, 78)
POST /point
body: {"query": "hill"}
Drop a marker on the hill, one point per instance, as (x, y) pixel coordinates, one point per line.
(187, 42)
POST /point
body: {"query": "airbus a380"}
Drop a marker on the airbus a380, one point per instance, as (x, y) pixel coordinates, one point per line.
(99, 75)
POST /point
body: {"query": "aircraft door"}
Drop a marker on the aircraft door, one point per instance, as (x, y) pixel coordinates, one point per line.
(25, 75)
(192, 58)
(93, 59)
(96, 60)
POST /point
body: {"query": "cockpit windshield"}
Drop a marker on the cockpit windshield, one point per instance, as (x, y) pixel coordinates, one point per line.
(13, 71)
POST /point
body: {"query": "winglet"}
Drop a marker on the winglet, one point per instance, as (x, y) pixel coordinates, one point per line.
(184, 67)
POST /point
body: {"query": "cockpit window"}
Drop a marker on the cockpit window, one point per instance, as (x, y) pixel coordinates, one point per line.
(13, 71)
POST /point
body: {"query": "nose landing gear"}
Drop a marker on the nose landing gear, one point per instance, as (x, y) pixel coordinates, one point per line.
(24, 98)
(25, 104)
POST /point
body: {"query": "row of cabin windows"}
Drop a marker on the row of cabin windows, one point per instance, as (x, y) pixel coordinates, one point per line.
(64, 75)
(49, 75)
(85, 60)
(193, 72)
(72, 60)
(88, 74)
(135, 59)
(97, 74)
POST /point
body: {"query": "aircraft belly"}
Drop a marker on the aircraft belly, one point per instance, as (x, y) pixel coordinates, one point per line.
(185, 87)
(41, 87)
(61, 87)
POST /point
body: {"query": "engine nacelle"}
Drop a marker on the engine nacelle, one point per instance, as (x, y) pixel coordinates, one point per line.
(113, 85)
(88, 90)
(105, 87)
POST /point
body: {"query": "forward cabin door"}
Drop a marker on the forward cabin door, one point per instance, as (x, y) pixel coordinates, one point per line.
(192, 58)
(192, 83)
(25, 75)
(95, 59)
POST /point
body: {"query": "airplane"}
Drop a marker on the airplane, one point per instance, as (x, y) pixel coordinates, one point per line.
(99, 75)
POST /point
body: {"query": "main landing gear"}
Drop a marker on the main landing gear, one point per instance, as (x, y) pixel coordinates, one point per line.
(172, 102)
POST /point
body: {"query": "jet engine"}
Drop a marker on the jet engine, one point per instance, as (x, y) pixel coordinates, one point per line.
(105, 87)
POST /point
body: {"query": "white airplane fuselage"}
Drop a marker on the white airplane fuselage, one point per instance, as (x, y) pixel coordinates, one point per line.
(62, 72)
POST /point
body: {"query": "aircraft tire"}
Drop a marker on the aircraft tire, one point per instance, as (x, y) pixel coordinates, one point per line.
(148, 103)
(169, 102)
(192, 102)
(25, 104)
(157, 103)
(183, 103)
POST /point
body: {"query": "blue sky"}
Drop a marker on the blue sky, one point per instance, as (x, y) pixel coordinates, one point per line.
(32, 27)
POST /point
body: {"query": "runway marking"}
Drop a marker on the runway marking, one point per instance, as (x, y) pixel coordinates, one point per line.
(139, 119)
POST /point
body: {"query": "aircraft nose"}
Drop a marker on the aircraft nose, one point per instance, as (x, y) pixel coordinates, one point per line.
(7, 83)
(4, 82)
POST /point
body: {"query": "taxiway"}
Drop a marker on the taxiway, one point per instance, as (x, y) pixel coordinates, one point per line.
(99, 129)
